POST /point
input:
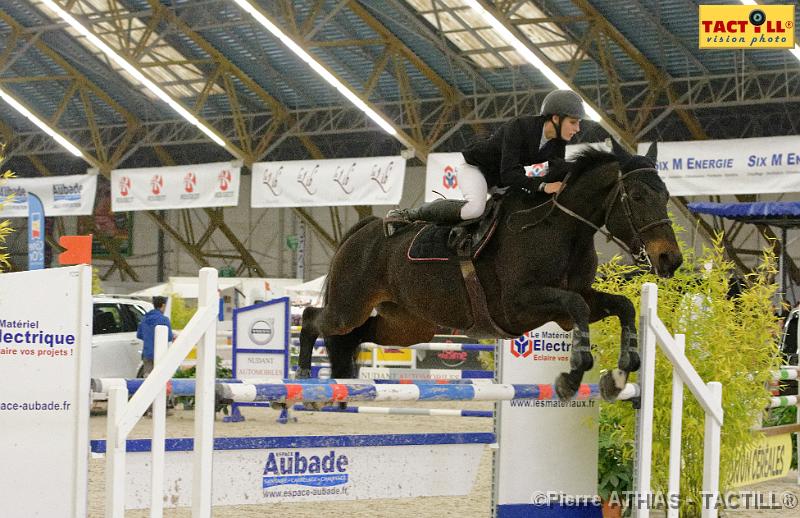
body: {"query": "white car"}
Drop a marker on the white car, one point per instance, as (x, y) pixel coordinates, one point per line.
(116, 352)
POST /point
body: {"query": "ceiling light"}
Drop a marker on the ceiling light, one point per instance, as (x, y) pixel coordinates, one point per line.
(133, 71)
(318, 67)
(72, 148)
(529, 56)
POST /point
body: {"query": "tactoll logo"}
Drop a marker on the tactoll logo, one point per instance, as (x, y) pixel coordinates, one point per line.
(189, 182)
(124, 186)
(284, 468)
(449, 178)
(522, 347)
(156, 184)
(746, 26)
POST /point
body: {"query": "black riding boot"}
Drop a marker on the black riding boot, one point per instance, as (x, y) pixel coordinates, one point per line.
(437, 211)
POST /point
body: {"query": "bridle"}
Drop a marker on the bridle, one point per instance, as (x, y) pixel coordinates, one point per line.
(618, 192)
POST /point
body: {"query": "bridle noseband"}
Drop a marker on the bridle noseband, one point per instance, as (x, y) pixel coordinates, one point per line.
(618, 192)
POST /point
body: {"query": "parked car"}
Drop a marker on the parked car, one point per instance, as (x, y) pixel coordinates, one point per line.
(116, 352)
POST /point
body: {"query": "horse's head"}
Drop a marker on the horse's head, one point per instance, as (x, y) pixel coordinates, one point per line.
(636, 211)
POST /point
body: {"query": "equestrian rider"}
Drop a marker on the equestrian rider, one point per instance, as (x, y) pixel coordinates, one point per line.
(499, 160)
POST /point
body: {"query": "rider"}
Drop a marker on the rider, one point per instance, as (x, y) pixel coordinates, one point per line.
(499, 160)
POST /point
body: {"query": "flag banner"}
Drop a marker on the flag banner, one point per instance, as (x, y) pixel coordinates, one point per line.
(71, 195)
(735, 166)
(321, 183)
(175, 187)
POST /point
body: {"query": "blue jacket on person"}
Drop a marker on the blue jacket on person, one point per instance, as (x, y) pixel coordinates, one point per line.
(146, 331)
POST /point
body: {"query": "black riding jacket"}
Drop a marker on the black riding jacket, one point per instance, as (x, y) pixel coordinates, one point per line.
(502, 157)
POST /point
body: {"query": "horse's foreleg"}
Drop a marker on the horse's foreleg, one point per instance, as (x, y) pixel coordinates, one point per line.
(603, 305)
(554, 304)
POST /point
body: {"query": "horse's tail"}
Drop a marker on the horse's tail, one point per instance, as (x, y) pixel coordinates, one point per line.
(347, 235)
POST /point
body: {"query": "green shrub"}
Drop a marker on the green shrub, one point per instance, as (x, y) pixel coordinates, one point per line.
(729, 340)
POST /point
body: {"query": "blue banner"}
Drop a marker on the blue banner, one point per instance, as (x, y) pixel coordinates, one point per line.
(35, 233)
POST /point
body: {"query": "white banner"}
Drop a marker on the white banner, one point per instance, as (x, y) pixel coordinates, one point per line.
(177, 187)
(45, 357)
(320, 183)
(735, 166)
(441, 173)
(247, 474)
(71, 195)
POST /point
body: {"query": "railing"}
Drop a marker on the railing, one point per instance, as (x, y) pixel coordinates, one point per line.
(124, 414)
(709, 395)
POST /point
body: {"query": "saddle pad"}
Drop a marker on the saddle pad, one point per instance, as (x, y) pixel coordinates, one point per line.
(430, 244)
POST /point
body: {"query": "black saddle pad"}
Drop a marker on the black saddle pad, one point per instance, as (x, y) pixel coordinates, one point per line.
(430, 244)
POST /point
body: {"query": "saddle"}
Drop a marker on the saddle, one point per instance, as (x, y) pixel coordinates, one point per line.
(440, 242)
(463, 243)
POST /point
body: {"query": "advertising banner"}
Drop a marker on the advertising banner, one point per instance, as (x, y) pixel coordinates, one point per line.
(552, 432)
(261, 340)
(769, 458)
(45, 356)
(175, 187)
(71, 195)
(321, 183)
(264, 470)
(35, 233)
(735, 166)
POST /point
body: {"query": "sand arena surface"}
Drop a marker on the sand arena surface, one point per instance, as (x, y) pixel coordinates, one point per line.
(261, 422)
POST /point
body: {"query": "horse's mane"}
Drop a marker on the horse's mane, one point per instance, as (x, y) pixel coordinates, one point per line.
(591, 158)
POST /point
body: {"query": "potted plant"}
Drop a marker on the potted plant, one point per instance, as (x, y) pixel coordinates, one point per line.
(614, 464)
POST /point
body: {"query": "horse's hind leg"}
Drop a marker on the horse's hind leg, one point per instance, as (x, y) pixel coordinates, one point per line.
(308, 337)
(601, 306)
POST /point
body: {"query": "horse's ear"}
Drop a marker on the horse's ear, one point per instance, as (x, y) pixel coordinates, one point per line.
(619, 151)
(652, 151)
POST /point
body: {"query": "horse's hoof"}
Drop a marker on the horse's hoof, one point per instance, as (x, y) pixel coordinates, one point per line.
(611, 384)
(581, 361)
(302, 374)
(566, 387)
(629, 362)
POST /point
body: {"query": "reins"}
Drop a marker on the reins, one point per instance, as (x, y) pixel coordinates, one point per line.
(618, 192)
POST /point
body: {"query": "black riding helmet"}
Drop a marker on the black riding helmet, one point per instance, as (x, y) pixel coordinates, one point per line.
(564, 103)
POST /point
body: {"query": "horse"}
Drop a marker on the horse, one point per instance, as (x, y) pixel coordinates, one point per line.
(537, 267)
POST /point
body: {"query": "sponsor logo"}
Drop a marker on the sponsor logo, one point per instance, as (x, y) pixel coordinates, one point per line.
(521, 347)
(450, 177)
(306, 178)
(189, 182)
(284, 468)
(270, 179)
(343, 178)
(124, 186)
(746, 26)
(156, 184)
(262, 331)
(16, 195)
(381, 176)
(67, 192)
(36, 226)
(536, 170)
(224, 178)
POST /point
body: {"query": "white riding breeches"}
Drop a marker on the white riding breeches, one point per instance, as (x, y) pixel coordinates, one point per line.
(473, 187)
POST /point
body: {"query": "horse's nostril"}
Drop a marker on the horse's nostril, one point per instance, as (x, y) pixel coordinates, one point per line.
(669, 261)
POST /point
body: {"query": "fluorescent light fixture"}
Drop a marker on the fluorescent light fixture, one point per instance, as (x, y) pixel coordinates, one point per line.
(316, 66)
(526, 53)
(795, 50)
(39, 122)
(132, 70)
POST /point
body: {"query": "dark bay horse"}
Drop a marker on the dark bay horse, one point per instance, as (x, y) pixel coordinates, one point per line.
(538, 267)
